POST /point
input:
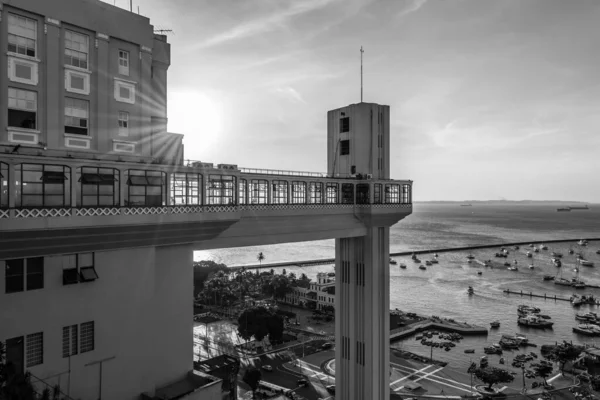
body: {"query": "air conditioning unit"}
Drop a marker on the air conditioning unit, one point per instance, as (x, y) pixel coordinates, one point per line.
(199, 164)
(369, 176)
(227, 166)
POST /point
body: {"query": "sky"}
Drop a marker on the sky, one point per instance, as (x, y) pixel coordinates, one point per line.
(490, 99)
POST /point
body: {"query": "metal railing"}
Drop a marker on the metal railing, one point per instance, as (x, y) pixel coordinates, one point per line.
(263, 171)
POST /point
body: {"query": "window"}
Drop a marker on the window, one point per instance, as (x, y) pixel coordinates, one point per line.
(298, 192)
(392, 194)
(123, 123)
(344, 124)
(40, 185)
(344, 147)
(124, 62)
(124, 92)
(220, 189)
(259, 191)
(279, 194)
(22, 71)
(77, 82)
(35, 273)
(347, 193)
(24, 274)
(185, 189)
(70, 273)
(87, 337)
(315, 190)
(76, 116)
(406, 194)
(35, 349)
(377, 194)
(69, 341)
(331, 193)
(99, 187)
(243, 191)
(22, 108)
(3, 185)
(146, 188)
(76, 49)
(22, 35)
(362, 193)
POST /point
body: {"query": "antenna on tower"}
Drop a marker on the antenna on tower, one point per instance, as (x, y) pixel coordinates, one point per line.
(361, 73)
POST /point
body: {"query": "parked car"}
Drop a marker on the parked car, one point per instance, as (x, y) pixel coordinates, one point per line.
(330, 389)
(327, 345)
(267, 367)
(302, 382)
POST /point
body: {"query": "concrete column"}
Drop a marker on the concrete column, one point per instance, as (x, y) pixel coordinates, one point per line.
(103, 93)
(362, 326)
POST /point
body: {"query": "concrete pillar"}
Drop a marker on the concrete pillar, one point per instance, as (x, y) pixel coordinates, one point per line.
(362, 328)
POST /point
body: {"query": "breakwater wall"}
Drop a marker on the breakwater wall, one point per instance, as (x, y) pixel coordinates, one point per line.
(323, 261)
(401, 333)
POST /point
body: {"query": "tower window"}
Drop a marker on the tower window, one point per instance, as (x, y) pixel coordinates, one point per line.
(344, 124)
(344, 147)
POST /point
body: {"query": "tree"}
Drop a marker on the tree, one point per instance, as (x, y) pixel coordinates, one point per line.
(543, 369)
(252, 378)
(277, 286)
(259, 322)
(563, 353)
(202, 270)
(493, 375)
(260, 257)
(303, 281)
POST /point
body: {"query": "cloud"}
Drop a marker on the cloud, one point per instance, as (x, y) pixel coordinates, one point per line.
(291, 93)
(266, 23)
(414, 5)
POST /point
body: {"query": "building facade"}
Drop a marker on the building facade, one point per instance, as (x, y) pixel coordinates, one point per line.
(321, 292)
(99, 216)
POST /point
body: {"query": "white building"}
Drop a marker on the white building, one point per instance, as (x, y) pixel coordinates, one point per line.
(322, 292)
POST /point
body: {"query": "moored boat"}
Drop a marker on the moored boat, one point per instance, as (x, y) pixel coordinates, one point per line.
(428, 263)
(493, 349)
(470, 291)
(495, 324)
(587, 329)
(586, 263)
(422, 266)
(393, 262)
(533, 321)
(403, 266)
(562, 282)
(548, 277)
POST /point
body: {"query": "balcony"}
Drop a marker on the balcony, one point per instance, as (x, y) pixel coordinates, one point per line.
(145, 204)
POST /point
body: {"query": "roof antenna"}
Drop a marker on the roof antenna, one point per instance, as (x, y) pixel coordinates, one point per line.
(361, 73)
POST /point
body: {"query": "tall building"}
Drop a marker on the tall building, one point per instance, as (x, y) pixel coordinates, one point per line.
(99, 216)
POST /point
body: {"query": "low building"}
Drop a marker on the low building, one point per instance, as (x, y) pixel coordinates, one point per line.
(225, 368)
(321, 292)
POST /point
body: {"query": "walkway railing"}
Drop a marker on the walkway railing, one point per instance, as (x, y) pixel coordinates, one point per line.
(57, 212)
(282, 172)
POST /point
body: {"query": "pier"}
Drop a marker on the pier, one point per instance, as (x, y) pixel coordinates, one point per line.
(436, 324)
(531, 294)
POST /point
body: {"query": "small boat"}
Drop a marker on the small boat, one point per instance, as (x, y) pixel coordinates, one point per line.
(587, 329)
(435, 255)
(556, 255)
(576, 301)
(428, 263)
(571, 251)
(501, 360)
(483, 362)
(516, 247)
(586, 317)
(536, 250)
(531, 245)
(403, 266)
(548, 277)
(495, 324)
(586, 263)
(531, 266)
(525, 309)
(513, 268)
(544, 247)
(533, 321)
(507, 264)
(422, 266)
(529, 255)
(515, 262)
(562, 282)
(470, 256)
(434, 261)
(597, 251)
(582, 242)
(393, 262)
(563, 209)
(479, 273)
(470, 291)
(469, 351)
(493, 349)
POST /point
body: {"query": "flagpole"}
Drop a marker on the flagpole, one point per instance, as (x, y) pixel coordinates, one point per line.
(361, 73)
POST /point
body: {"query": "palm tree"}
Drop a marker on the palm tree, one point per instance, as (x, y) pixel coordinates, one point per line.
(260, 258)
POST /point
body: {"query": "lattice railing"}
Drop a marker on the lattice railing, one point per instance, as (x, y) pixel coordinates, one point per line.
(42, 212)
(145, 210)
(114, 211)
(97, 212)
